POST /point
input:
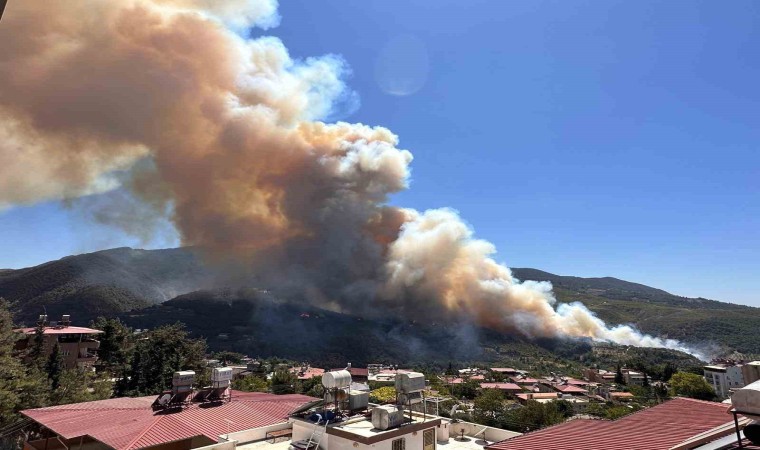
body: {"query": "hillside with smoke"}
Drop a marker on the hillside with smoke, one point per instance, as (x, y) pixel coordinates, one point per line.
(223, 136)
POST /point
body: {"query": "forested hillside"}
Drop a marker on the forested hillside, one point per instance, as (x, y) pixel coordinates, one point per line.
(112, 282)
(714, 326)
(100, 284)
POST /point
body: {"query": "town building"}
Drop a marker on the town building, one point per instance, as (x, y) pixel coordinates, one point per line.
(508, 388)
(306, 372)
(77, 345)
(724, 377)
(540, 397)
(677, 424)
(633, 378)
(599, 376)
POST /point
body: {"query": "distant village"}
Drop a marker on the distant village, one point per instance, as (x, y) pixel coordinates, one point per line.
(228, 400)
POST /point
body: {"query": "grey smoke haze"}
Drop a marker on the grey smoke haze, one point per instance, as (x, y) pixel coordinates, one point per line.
(222, 136)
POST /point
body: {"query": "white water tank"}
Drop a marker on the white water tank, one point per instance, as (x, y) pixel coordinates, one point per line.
(410, 382)
(221, 374)
(387, 417)
(183, 378)
(747, 400)
(336, 379)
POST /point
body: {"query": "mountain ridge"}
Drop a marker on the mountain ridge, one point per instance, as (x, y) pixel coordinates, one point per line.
(117, 281)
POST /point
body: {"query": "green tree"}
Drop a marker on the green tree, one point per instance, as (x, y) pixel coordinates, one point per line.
(619, 379)
(283, 382)
(20, 387)
(311, 386)
(532, 416)
(468, 389)
(37, 353)
(227, 357)
(488, 406)
(161, 352)
(54, 367)
(115, 346)
(251, 383)
(691, 385)
(616, 412)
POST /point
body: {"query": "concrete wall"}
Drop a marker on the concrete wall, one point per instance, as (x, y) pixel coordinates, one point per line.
(229, 445)
(490, 435)
(255, 434)
(751, 372)
(413, 442)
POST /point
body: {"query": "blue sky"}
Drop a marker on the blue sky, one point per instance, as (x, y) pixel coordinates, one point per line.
(589, 138)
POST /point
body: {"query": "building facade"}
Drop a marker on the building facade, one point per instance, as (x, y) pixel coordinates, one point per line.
(77, 345)
(723, 378)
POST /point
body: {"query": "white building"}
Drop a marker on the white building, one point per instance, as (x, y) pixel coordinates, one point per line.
(422, 433)
(724, 377)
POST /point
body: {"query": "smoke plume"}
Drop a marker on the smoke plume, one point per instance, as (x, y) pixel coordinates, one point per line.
(222, 135)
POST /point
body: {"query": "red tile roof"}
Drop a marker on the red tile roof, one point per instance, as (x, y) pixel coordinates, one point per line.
(538, 395)
(355, 371)
(61, 330)
(452, 380)
(570, 389)
(502, 386)
(526, 380)
(660, 427)
(130, 423)
(307, 374)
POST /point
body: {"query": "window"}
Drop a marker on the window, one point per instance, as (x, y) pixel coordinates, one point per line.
(398, 444)
(428, 439)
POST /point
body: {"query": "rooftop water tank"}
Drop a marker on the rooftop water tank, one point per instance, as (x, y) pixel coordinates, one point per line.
(387, 417)
(410, 382)
(221, 374)
(358, 400)
(183, 378)
(336, 379)
(747, 400)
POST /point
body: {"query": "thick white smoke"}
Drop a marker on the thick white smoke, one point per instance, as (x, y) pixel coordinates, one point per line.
(222, 134)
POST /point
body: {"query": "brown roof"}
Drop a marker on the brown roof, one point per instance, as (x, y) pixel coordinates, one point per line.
(131, 423)
(658, 428)
(570, 389)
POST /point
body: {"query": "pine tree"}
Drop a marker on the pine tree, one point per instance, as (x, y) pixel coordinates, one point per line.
(162, 352)
(37, 350)
(20, 387)
(619, 376)
(55, 367)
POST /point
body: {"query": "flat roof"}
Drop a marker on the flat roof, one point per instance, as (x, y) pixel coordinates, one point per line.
(130, 423)
(360, 429)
